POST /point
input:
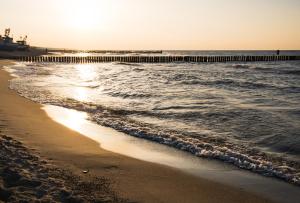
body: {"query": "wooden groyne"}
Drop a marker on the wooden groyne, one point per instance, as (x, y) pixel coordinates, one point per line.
(152, 59)
(106, 51)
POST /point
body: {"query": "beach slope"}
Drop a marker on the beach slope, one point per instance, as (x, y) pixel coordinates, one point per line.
(24, 122)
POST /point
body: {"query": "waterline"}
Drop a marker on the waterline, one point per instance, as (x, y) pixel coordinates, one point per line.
(114, 141)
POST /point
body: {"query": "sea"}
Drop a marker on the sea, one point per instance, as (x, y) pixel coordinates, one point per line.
(244, 113)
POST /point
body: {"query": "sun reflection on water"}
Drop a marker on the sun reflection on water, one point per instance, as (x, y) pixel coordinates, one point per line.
(86, 72)
(81, 94)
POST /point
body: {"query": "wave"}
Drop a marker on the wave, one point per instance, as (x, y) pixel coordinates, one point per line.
(127, 64)
(130, 95)
(242, 156)
(209, 147)
(224, 131)
(240, 66)
(280, 143)
(87, 85)
(289, 72)
(178, 107)
(229, 83)
(281, 70)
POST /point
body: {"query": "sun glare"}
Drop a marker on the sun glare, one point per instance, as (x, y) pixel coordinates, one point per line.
(89, 14)
(70, 118)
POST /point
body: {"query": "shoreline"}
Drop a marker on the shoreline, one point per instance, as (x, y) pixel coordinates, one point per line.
(133, 179)
(214, 170)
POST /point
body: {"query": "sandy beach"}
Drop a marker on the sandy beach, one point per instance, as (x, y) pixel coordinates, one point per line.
(43, 160)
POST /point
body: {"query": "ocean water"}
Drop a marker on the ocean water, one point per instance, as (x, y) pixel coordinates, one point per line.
(246, 114)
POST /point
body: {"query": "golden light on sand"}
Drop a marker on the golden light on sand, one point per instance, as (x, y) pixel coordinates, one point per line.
(74, 120)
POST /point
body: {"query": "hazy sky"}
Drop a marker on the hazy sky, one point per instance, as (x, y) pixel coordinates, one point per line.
(155, 24)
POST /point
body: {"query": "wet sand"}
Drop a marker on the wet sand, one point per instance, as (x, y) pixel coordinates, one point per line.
(132, 179)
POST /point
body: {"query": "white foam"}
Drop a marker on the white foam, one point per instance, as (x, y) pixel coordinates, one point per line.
(121, 143)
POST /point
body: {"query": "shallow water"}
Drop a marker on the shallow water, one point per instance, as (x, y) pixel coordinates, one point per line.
(114, 141)
(247, 114)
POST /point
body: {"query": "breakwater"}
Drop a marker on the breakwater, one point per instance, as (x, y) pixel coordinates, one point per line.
(152, 59)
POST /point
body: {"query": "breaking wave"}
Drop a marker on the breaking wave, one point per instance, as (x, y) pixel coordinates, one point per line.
(243, 114)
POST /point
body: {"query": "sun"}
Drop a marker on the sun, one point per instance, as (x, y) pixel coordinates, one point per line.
(84, 14)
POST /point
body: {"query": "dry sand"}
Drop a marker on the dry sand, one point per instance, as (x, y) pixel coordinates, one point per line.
(27, 125)
(25, 176)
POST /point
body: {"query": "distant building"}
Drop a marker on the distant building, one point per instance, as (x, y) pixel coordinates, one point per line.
(7, 43)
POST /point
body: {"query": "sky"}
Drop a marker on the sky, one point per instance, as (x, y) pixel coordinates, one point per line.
(155, 24)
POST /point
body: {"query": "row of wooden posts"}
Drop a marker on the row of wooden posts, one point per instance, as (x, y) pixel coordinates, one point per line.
(151, 59)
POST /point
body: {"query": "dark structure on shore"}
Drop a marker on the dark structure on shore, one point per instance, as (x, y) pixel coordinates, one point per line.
(7, 43)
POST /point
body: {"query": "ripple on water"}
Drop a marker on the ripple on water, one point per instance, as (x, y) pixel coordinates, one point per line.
(243, 114)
